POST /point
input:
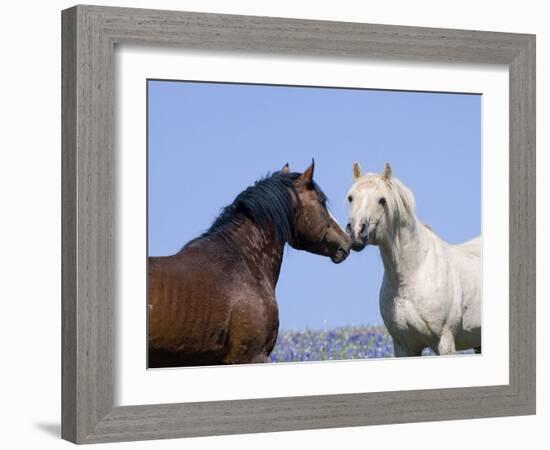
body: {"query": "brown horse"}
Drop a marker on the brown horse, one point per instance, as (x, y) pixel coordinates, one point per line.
(214, 301)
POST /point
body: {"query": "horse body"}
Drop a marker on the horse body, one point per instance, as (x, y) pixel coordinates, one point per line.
(214, 301)
(431, 290)
(431, 299)
(206, 310)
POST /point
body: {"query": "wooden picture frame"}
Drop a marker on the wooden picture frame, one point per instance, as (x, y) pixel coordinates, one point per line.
(89, 35)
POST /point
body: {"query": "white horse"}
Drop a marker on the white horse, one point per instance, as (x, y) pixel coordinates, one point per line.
(431, 291)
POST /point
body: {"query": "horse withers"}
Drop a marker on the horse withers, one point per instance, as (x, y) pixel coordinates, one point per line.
(431, 290)
(214, 301)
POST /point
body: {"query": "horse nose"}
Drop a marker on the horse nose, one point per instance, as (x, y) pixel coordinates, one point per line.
(348, 228)
(340, 255)
(345, 250)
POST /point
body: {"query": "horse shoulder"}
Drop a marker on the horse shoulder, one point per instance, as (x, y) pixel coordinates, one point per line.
(397, 309)
(188, 303)
(402, 320)
(422, 303)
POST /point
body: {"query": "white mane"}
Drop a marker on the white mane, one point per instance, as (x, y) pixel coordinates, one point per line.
(403, 198)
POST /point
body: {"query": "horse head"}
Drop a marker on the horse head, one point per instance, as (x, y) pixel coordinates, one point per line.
(378, 203)
(316, 230)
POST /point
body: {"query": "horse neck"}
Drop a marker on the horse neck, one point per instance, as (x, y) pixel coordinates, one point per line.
(404, 248)
(259, 249)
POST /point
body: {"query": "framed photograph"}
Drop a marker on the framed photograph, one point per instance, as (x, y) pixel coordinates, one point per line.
(278, 224)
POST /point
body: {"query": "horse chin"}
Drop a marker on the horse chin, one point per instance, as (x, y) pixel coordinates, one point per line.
(339, 256)
(357, 246)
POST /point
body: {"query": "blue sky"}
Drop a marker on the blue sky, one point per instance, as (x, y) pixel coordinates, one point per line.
(207, 142)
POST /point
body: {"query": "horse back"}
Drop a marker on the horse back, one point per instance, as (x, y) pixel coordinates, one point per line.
(473, 246)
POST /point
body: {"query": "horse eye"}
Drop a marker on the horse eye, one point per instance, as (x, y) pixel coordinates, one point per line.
(350, 198)
(382, 201)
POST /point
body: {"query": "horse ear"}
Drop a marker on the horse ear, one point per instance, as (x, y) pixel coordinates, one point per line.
(387, 171)
(285, 169)
(356, 171)
(307, 177)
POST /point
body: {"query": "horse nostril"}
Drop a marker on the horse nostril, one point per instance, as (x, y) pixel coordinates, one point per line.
(348, 228)
(362, 229)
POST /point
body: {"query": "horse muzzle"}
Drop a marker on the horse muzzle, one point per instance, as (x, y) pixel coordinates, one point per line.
(360, 240)
(340, 255)
(359, 245)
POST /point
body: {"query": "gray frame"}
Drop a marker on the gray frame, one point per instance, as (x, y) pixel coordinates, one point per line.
(89, 34)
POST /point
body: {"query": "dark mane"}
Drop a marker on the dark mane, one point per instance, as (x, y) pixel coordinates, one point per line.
(268, 202)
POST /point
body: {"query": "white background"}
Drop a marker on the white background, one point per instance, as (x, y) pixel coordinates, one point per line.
(31, 207)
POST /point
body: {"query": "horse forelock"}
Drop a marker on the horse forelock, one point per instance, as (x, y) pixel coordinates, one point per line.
(401, 199)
